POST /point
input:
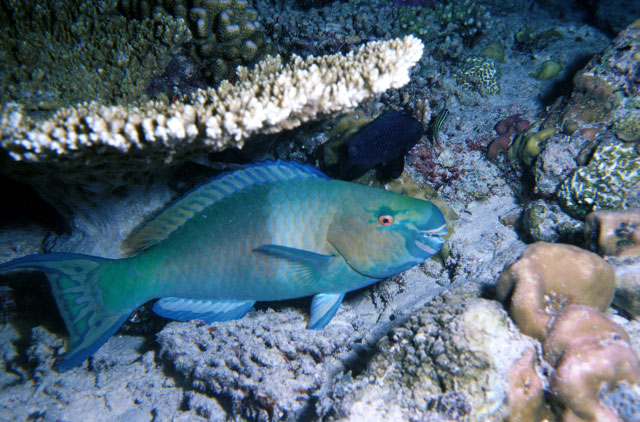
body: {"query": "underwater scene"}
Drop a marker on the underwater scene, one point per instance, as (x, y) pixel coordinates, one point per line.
(316, 210)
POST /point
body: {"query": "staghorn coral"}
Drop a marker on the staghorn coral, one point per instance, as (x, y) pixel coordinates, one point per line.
(549, 277)
(614, 232)
(611, 180)
(269, 98)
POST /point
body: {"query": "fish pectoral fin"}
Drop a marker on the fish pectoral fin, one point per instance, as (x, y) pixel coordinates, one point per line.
(323, 307)
(392, 169)
(183, 309)
(308, 266)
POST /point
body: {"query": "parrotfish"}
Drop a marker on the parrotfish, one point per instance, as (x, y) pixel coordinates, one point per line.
(383, 143)
(270, 231)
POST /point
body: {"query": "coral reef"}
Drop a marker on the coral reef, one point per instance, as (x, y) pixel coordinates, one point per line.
(614, 232)
(549, 277)
(526, 146)
(468, 18)
(547, 70)
(595, 361)
(610, 181)
(480, 73)
(606, 82)
(56, 54)
(506, 129)
(526, 389)
(449, 361)
(626, 124)
(547, 223)
(269, 98)
(230, 360)
(226, 33)
(591, 355)
(494, 50)
(627, 271)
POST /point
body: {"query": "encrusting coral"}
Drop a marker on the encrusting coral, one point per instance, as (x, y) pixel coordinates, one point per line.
(269, 98)
(549, 277)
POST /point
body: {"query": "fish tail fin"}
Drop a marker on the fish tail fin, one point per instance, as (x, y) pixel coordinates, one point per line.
(73, 279)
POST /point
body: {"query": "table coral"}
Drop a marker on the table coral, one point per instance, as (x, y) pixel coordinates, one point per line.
(611, 180)
(549, 277)
(266, 99)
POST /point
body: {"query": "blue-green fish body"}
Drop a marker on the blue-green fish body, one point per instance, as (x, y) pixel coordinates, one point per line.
(271, 231)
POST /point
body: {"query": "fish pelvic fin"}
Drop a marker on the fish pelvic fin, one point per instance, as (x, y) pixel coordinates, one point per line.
(323, 307)
(73, 279)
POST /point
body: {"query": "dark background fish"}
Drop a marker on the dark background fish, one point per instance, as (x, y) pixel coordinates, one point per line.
(382, 144)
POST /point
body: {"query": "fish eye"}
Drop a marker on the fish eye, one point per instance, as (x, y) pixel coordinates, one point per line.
(385, 220)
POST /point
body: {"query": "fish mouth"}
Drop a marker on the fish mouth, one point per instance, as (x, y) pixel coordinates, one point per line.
(431, 240)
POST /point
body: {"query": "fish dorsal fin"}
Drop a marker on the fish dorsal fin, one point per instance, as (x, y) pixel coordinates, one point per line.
(183, 209)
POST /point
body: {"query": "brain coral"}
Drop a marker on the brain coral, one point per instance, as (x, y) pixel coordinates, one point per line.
(480, 73)
(611, 180)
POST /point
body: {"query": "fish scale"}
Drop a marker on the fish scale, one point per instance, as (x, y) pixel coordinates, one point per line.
(271, 231)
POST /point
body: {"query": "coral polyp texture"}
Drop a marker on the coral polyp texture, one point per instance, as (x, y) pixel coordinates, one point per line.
(226, 33)
(549, 277)
(60, 53)
(610, 181)
(268, 98)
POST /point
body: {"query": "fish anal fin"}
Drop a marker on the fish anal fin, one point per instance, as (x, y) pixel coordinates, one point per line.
(308, 266)
(183, 309)
(323, 307)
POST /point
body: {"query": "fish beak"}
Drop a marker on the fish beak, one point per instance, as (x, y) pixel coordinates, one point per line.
(432, 240)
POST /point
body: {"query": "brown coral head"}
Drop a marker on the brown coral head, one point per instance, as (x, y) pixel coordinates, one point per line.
(549, 277)
(525, 397)
(590, 133)
(580, 324)
(498, 145)
(614, 232)
(503, 125)
(522, 125)
(586, 369)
